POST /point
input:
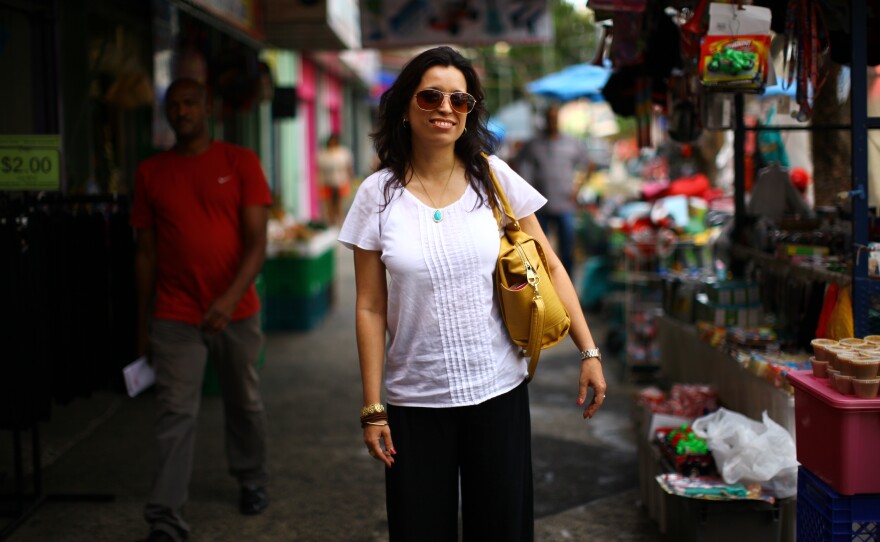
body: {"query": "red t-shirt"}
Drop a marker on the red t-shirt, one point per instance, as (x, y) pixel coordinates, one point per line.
(194, 204)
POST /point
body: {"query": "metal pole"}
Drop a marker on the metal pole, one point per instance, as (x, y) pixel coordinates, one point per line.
(859, 198)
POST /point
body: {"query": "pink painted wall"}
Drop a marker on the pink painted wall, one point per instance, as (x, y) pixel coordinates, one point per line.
(307, 94)
(334, 103)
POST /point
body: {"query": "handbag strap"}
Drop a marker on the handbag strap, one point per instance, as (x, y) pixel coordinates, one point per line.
(502, 197)
(535, 335)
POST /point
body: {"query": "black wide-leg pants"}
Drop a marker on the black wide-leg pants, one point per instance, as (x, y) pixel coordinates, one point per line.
(487, 447)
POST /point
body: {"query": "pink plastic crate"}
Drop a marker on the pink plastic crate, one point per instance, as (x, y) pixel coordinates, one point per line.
(837, 436)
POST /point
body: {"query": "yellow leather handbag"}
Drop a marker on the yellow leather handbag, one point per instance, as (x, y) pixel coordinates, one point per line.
(532, 311)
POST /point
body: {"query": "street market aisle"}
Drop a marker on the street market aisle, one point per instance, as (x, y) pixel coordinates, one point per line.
(324, 486)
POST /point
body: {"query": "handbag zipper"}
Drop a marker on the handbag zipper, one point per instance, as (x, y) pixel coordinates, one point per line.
(531, 276)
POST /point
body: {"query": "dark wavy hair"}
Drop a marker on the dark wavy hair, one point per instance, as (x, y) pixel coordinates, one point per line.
(392, 138)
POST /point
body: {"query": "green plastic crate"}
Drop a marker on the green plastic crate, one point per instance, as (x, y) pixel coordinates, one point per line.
(298, 276)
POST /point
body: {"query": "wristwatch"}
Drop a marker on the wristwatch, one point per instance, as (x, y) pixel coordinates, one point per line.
(591, 353)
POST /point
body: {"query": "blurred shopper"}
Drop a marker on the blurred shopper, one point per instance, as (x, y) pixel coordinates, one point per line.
(774, 196)
(200, 211)
(336, 170)
(550, 161)
(457, 419)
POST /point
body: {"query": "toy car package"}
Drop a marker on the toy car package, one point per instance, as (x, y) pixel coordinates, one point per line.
(734, 54)
(734, 62)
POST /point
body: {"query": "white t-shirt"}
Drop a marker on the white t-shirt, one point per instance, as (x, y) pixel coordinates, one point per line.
(448, 345)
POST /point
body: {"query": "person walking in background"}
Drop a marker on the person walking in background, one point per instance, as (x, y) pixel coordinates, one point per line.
(336, 171)
(457, 398)
(774, 196)
(200, 211)
(549, 161)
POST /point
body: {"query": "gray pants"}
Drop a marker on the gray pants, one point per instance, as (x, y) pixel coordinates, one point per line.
(179, 352)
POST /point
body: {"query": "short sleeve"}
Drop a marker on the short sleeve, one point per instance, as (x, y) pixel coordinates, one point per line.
(255, 189)
(524, 199)
(362, 223)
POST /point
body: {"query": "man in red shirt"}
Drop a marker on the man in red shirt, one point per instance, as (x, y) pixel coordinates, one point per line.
(200, 211)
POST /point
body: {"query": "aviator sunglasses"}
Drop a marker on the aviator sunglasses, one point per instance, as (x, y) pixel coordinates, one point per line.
(430, 99)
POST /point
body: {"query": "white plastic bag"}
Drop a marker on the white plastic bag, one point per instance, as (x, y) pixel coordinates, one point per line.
(749, 451)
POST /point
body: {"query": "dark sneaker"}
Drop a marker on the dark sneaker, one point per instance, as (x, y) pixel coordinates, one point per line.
(253, 500)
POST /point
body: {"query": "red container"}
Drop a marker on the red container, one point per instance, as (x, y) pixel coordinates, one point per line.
(837, 436)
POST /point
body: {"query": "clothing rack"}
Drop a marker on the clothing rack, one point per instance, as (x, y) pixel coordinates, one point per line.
(24, 501)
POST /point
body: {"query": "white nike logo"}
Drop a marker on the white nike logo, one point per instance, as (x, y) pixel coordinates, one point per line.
(224, 180)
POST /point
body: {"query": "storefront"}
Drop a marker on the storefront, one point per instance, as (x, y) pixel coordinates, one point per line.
(90, 77)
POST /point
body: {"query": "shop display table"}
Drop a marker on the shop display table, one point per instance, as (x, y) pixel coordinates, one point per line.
(685, 358)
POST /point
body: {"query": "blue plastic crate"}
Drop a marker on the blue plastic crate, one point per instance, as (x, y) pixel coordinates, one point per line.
(823, 515)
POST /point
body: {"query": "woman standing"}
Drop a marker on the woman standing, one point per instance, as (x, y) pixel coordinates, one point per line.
(458, 406)
(336, 171)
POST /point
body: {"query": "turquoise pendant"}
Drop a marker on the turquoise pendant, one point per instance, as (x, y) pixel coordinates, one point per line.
(438, 216)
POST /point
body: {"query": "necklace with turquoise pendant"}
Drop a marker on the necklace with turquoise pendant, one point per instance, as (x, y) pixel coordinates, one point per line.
(438, 214)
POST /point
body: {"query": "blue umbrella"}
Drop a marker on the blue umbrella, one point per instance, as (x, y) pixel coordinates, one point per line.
(573, 82)
(497, 128)
(779, 89)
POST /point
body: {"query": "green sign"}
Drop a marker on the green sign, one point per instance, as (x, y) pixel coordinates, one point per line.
(30, 162)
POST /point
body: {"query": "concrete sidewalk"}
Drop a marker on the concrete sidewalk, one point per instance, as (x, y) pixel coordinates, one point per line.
(324, 486)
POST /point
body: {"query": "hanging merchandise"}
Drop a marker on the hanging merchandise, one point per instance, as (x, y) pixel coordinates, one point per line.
(623, 91)
(734, 55)
(771, 146)
(840, 323)
(604, 43)
(685, 124)
(804, 25)
(692, 30)
(643, 111)
(627, 43)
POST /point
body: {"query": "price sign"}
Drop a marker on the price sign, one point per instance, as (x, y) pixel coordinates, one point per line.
(30, 162)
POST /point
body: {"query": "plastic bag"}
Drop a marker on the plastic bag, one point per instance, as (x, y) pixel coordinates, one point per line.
(747, 451)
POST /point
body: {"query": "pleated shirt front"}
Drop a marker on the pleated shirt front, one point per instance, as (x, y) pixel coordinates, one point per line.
(447, 342)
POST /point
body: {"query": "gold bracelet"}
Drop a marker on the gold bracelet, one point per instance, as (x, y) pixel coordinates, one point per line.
(372, 409)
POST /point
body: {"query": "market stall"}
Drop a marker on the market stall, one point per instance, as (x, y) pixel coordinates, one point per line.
(743, 324)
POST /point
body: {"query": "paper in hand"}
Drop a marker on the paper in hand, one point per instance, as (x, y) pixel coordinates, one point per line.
(139, 375)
